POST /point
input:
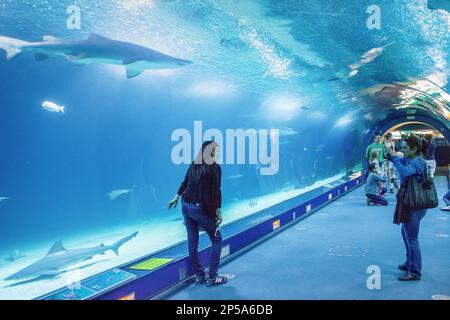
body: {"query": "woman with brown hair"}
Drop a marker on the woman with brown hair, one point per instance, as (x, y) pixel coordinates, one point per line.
(201, 203)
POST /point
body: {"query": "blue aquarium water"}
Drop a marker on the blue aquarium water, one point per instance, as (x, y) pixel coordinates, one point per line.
(87, 122)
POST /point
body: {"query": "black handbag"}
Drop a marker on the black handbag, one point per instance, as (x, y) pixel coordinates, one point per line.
(420, 195)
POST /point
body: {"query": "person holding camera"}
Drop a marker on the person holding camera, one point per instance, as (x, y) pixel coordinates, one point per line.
(412, 166)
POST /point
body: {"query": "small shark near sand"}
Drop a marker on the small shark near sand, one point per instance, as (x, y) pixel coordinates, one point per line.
(95, 49)
(59, 258)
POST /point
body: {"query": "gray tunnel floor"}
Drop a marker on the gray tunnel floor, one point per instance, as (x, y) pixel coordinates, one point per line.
(326, 256)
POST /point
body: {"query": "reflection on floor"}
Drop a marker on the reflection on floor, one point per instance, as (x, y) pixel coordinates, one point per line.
(332, 254)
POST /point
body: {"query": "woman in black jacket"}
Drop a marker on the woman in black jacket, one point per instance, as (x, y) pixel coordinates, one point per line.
(201, 203)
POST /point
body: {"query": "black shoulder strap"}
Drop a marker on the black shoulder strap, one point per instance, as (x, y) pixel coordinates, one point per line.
(425, 172)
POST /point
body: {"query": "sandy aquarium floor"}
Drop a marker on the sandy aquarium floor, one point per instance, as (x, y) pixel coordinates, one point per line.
(151, 237)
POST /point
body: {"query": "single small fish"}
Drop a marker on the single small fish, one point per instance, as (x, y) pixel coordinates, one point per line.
(117, 193)
(253, 203)
(304, 108)
(71, 295)
(234, 176)
(281, 132)
(154, 193)
(320, 147)
(353, 73)
(234, 43)
(52, 107)
(109, 279)
(4, 198)
(286, 132)
(15, 255)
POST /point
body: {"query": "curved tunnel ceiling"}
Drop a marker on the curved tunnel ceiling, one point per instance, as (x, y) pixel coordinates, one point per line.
(317, 54)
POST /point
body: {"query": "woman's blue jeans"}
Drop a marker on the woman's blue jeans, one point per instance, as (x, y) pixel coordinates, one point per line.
(194, 216)
(447, 198)
(410, 234)
(377, 199)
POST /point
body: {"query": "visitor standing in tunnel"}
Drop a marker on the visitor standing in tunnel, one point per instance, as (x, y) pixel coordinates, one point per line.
(375, 155)
(399, 143)
(412, 166)
(430, 158)
(201, 203)
(376, 148)
(388, 144)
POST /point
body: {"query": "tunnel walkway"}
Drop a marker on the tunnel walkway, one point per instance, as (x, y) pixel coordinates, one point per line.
(326, 256)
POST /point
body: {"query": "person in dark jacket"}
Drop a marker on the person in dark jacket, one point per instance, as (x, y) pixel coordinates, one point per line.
(412, 166)
(201, 207)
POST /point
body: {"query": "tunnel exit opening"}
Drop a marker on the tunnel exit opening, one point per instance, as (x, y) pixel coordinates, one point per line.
(442, 151)
(420, 123)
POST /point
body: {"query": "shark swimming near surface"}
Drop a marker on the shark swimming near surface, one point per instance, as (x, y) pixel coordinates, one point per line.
(95, 49)
(58, 258)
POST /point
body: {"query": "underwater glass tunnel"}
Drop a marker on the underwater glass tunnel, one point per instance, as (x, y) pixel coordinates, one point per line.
(105, 103)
